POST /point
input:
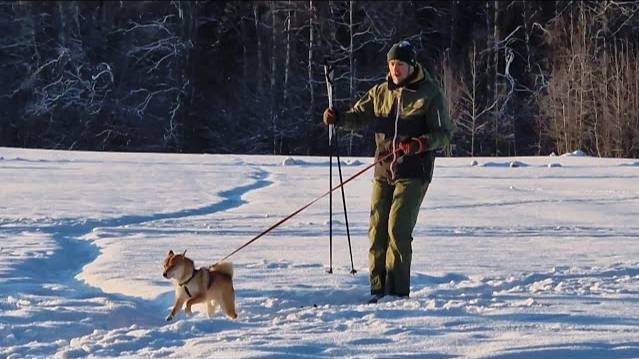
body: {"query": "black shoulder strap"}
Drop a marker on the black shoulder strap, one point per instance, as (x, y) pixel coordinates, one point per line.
(183, 285)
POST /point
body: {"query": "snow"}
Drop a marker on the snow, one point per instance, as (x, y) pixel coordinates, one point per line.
(578, 153)
(536, 261)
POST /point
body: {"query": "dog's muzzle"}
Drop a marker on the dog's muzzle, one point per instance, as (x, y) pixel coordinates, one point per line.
(165, 274)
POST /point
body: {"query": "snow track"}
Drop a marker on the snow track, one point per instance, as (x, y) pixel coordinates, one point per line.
(44, 280)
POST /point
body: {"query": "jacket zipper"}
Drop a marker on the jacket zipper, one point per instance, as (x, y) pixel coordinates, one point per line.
(397, 112)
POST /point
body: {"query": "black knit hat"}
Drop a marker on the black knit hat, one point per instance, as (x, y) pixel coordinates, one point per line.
(402, 51)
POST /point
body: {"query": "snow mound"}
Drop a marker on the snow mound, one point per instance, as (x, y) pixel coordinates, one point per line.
(494, 164)
(512, 164)
(577, 153)
(553, 165)
(474, 163)
(631, 164)
(290, 161)
(352, 162)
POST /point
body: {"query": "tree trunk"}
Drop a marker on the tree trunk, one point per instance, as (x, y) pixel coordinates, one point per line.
(259, 46)
(473, 74)
(311, 108)
(288, 54)
(351, 70)
(274, 39)
(495, 94)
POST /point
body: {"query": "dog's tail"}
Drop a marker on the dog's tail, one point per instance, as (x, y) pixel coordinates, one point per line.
(223, 267)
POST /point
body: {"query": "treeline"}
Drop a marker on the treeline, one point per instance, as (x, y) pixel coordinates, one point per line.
(520, 77)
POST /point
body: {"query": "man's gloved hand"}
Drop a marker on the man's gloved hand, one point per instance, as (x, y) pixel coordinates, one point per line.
(414, 145)
(330, 116)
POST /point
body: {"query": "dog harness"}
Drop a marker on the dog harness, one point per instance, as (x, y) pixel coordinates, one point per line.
(184, 284)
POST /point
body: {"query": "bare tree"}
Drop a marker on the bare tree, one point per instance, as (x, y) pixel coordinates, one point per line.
(258, 39)
(275, 36)
(451, 90)
(158, 47)
(472, 112)
(591, 97)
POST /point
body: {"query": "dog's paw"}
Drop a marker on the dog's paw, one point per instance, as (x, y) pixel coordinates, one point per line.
(169, 318)
(188, 312)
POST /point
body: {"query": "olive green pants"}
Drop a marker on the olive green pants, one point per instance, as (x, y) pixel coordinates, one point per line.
(394, 210)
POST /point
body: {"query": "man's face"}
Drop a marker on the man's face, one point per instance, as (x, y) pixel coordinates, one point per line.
(399, 70)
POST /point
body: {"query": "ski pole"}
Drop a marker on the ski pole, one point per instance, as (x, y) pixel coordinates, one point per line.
(328, 76)
(348, 232)
(334, 148)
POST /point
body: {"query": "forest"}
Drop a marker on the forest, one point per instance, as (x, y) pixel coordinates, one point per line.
(519, 77)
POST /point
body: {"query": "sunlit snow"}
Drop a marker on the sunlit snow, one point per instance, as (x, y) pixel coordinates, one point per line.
(537, 260)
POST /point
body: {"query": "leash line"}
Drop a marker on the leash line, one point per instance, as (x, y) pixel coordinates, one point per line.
(307, 205)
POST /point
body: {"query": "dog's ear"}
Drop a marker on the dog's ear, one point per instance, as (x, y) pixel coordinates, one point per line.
(170, 254)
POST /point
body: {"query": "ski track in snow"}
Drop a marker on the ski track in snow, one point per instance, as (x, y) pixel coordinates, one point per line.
(42, 282)
(429, 232)
(531, 202)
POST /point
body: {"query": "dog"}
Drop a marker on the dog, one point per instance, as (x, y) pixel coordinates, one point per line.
(212, 286)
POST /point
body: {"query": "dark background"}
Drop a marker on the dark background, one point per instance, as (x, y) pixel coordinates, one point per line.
(520, 77)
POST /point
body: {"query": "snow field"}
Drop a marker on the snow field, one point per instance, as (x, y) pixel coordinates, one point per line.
(521, 261)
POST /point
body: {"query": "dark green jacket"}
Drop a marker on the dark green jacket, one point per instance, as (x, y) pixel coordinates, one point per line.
(422, 112)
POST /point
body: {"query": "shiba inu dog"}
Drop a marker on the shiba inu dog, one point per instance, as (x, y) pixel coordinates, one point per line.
(212, 286)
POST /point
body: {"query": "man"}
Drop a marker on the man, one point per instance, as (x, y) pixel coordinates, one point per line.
(411, 122)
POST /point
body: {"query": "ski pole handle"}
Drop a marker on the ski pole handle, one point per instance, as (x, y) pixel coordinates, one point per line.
(328, 76)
